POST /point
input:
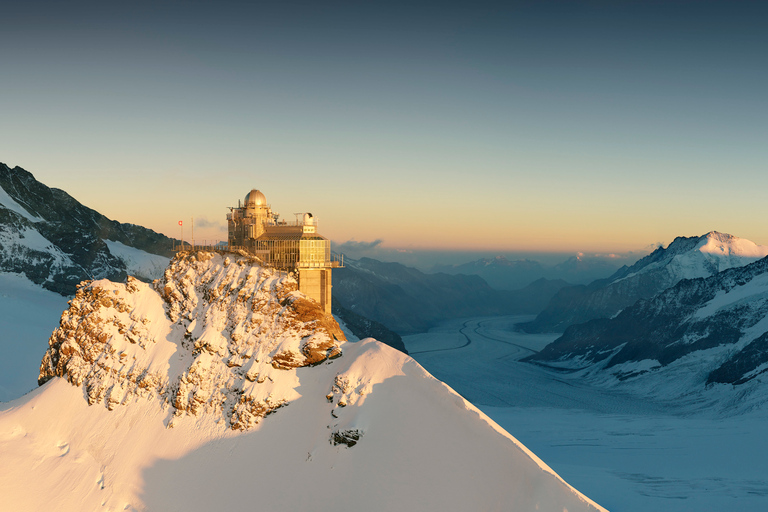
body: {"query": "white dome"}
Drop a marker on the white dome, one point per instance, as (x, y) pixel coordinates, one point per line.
(255, 198)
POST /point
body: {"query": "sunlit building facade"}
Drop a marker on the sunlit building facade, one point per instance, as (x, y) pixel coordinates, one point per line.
(291, 246)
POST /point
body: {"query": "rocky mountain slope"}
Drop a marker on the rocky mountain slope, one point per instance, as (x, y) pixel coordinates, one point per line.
(55, 241)
(221, 387)
(407, 300)
(363, 327)
(684, 258)
(699, 334)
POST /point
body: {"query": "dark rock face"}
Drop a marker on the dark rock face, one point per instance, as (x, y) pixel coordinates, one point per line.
(71, 236)
(346, 437)
(365, 328)
(744, 366)
(678, 322)
(643, 280)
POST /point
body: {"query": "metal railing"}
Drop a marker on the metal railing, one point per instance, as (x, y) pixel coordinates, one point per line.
(335, 260)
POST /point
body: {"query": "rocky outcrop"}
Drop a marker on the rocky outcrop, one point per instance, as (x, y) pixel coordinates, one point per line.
(216, 334)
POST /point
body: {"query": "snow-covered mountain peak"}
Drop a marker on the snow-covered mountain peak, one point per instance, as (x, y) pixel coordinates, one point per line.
(694, 257)
(723, 244)
(216, 334)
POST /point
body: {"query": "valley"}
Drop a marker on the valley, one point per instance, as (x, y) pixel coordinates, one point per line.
(627, 452)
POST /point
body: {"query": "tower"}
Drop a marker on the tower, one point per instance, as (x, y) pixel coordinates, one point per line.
(291, 246)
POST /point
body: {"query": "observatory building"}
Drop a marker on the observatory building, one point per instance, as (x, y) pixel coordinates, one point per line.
(292, 246)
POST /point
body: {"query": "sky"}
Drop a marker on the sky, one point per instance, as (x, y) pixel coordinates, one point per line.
(512, 127)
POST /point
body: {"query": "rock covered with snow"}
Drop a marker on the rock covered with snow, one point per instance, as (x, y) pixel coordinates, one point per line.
(214, 334)
(684, 258)
(210, 350)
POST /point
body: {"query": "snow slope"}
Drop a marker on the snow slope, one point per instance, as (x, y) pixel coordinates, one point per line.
(28, 315)
(181, 378)
(618, 445)
(138, 263)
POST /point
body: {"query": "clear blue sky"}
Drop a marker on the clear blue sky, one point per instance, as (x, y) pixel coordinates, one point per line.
(600, 126)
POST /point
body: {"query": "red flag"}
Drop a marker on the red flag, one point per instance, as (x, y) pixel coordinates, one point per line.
(179, 223)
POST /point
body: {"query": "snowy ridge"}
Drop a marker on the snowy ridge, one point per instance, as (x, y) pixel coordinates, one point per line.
(157, 396)
(8, 202)
(684, 258)
(690, 258)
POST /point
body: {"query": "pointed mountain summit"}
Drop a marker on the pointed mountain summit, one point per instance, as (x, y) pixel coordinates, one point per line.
(220, 387)
(684, 258)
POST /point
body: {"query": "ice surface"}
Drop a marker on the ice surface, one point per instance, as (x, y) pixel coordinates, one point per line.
(627, 451)
(28, 315)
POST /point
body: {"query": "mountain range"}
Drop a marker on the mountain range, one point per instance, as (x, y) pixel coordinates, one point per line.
(502, 273)
(684, 258)
(703, 342)
(56, 242)
(220, 386)
(407, 301)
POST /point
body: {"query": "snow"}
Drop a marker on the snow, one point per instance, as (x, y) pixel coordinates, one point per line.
(14, 242)
(714, 253)
(723, 246)
(138, 263)
(756, 287)
(8, 202)
(643, 446)
(28, 314)
(420, 445)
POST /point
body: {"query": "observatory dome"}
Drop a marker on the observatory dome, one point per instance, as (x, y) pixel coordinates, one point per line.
(255, 198)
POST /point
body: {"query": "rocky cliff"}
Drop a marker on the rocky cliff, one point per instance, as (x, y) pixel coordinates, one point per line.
(215, 334)
(57, 242)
